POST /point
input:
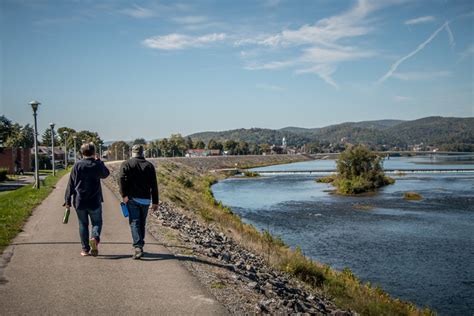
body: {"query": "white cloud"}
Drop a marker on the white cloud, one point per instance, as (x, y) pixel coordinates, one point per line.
(269, 87)
(323, 71)
(191, 19)
(334, 55)
(401, 98)
(270, 65)
(139, 12)
(421, 19)
(419, 76)
(420, 47)
(248, 53)
(180, 41)
(324, 43)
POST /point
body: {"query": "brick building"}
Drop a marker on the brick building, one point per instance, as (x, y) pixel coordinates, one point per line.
(9, 155)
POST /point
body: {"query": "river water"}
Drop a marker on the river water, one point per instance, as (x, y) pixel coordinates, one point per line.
(421, 251)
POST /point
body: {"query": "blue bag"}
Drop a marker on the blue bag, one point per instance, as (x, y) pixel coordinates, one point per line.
(124, 208)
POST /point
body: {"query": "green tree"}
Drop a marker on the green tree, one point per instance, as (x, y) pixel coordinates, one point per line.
(213, 144)
(264, 148)
(254, 149)
(85, 137)
(164, 147)
(152, 150)
(139, 141)
(21, 136)
(68, 140)
(177, 145)
(242, 148)
(5, 128)
(359, 170)
(199, 144)
(230, 146)
(189, 143)
(118, 150)
(46, 138)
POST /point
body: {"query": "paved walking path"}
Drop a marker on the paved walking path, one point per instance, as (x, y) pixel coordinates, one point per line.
(42, 272)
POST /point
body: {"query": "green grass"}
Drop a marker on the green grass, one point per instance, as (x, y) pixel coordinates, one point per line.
(16, 206)
(341, 286)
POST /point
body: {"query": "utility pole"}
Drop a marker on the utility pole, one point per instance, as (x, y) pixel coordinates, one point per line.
(52, 149)
(34, 106)
(75, 150)
(65, 133)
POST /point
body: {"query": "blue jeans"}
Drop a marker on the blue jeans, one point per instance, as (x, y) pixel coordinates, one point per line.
(96, 220)
(137, 220)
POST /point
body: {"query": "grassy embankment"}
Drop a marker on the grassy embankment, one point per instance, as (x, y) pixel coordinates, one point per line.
(190, 189)
(16, 206)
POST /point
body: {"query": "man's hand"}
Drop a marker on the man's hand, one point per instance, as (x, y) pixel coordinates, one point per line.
(154, 207)
(67, 206)
(125, 199)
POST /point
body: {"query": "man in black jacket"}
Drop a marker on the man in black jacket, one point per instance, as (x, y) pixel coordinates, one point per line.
(84, 186)
(139, 189)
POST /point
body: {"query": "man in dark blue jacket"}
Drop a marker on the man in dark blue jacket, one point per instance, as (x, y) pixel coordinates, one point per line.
(84, 186)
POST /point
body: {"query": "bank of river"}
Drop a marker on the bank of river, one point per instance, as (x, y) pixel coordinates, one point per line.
(418, 251)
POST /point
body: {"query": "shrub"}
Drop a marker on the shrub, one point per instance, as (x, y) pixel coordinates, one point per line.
(359, 170)
(251, 174)
(327, 179)
(185, 181)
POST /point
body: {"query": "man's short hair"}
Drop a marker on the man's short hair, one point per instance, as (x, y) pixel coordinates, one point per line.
(88, 149)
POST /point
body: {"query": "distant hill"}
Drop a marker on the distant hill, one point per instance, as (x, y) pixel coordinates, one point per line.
(380, 124)
(435, 130)
(429, 130)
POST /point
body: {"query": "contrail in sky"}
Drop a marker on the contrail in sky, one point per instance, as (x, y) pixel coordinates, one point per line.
(420, 47)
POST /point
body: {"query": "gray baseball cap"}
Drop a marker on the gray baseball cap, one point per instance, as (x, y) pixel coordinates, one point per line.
(137, 150)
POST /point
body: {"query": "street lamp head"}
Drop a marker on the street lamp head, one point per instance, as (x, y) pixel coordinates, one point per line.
(74, 137)
(51, 125)
(65, 133)
(34, 105)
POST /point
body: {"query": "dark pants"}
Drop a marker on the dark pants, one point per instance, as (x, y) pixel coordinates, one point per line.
(96, 220)
(137, 219)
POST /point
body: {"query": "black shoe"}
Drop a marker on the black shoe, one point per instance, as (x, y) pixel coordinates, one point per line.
(138, 253)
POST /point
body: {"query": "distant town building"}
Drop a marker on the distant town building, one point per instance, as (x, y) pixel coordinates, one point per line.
(202, 152)
(46, 151)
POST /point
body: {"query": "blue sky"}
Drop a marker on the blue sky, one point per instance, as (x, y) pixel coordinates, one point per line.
(151, 68)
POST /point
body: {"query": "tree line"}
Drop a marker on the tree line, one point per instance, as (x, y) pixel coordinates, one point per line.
(16, 135)
(177, 146)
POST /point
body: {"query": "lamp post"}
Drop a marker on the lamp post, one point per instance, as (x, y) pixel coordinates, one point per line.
(52, 148)
(65, 133)
(115, 151)
(123, 153)
(75, 150)
(34, 106)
